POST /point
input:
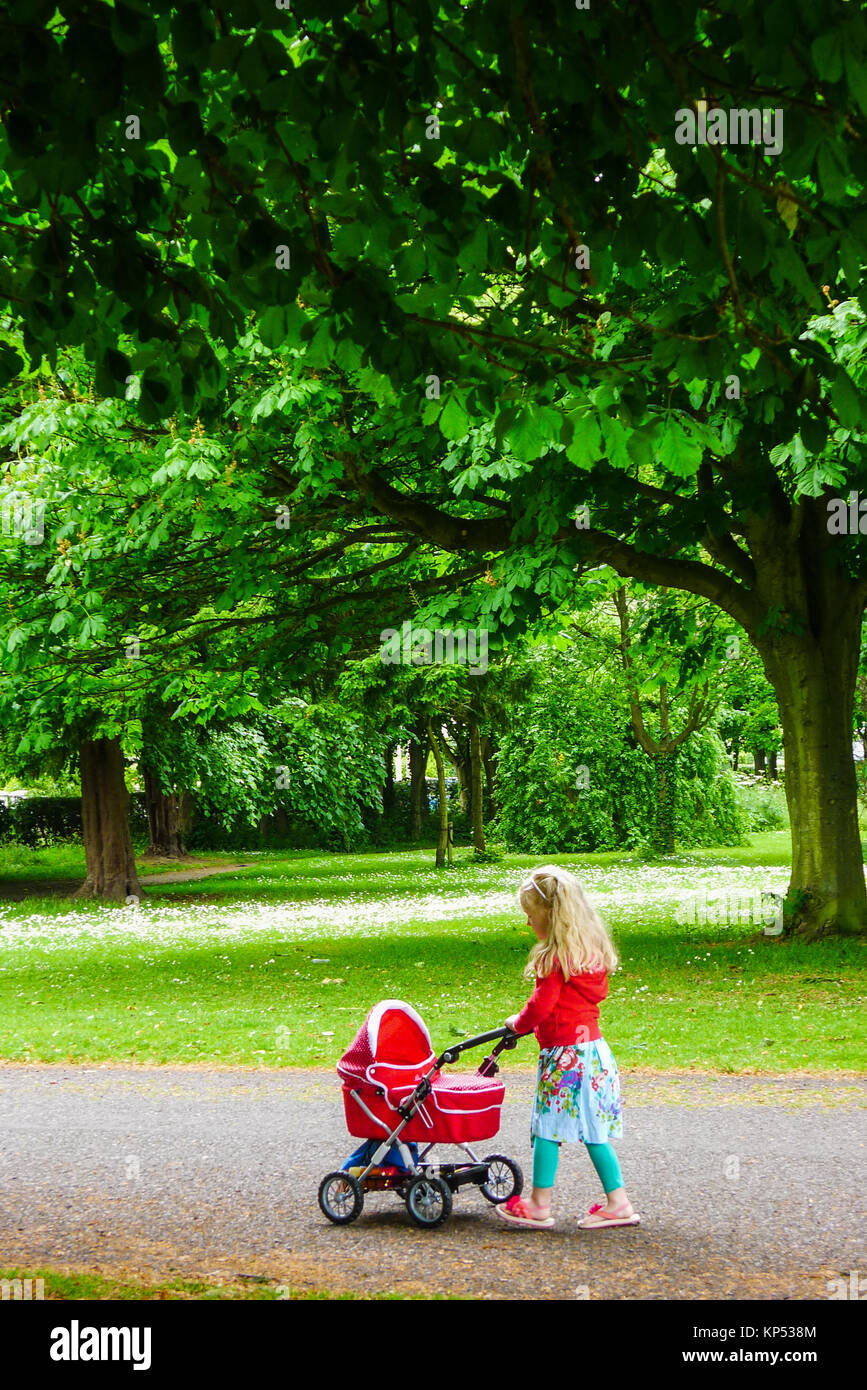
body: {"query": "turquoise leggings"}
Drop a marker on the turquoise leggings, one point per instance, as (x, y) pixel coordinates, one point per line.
(546, 1155)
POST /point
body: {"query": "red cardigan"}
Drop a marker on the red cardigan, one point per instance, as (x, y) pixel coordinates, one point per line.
(564, 1011)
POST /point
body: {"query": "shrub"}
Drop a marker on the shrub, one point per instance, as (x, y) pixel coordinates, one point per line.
(761, 803)
(38, 821)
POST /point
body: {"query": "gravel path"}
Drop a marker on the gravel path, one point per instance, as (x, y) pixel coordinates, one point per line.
(748, 1187)
(187, 875)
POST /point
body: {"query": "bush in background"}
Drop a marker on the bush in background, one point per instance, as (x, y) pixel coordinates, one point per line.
(761, 803)
(571, 778)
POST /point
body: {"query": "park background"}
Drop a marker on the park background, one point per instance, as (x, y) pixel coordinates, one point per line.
(320, 329)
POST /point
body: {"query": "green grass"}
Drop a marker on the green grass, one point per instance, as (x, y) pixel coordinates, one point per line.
(67, 861)
(77, 1287)
(58, 861)
(278, 964)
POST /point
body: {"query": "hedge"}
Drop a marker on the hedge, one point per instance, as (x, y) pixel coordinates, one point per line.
(38, 821)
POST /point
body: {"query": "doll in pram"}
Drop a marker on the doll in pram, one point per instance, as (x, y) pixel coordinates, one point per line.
(396, 1098)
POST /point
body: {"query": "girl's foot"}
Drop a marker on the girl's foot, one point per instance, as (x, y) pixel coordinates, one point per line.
(603, 1214)
(623, 1207)
(520, 1212)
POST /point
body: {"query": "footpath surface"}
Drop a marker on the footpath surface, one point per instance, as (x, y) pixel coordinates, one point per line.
(748, 1187)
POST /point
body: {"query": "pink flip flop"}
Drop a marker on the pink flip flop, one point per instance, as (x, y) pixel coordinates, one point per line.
(597, 1217)
(516, 1212)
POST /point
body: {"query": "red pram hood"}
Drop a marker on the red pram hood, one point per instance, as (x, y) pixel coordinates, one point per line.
(390, 1054)
(391, 1049)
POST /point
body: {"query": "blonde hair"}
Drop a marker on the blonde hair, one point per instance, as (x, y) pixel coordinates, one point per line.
(575, 934)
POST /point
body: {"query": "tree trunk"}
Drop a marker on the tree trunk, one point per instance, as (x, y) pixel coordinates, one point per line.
(662, 841)
(111, 871)
(185, 813)
(417, 785)
(443, 837)
(772, 766)
(814, 681)
(388, 786)
(164, 818)
(476, 803)
(464, 784)
(489, 758)
(759, 761)
(459, 757)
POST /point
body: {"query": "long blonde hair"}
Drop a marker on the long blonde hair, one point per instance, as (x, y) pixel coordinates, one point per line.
(575, 934)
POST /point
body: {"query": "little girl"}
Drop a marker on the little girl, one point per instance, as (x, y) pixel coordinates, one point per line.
(578, 1087)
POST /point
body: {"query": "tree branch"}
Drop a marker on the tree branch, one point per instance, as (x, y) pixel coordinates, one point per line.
(672, 573)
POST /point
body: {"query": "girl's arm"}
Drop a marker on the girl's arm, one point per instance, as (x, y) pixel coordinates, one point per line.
(541, 1004)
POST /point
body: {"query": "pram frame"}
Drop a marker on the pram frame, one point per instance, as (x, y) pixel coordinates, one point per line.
(454, 1175)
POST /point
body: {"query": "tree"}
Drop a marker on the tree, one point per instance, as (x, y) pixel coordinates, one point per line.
(111, 871)
(528, 231)
(663, 746)
(169, 764)
(105, 602)
(761, 735)
(418, 752)
(440, 708)
(574, 777)
(749, 719)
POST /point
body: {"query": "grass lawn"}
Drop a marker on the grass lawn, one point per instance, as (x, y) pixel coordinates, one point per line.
(67, 1287)
(18, 863)
(277, 964)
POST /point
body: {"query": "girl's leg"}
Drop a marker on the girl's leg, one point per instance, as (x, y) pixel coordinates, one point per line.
(546, 1155)
(604, 1160)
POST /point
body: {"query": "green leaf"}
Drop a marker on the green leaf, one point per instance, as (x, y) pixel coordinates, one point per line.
(832, 174)
(856, 76)
(814, 433)
(273, 325)
(321, 349)
(10, 364)
(827, 51)
(527, 437)
(848, 401)
(616, 442)
(474, 253)
(431, 410)
(851, 255)
(678, 453)
(585, 448)
(453, 420)
(130, 30)
(348, 355)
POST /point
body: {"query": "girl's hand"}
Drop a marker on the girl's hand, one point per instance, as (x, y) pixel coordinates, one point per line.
(510, 1022)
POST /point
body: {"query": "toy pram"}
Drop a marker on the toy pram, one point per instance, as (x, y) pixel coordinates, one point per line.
(394, 1094)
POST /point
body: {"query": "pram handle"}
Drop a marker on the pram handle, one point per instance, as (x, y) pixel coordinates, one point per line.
(508, 1035)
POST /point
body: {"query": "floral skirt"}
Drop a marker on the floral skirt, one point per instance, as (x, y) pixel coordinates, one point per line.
(577, 1095)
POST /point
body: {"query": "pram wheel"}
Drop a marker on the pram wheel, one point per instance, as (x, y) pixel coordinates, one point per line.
(340, 1198)
(505, 1179)
(428, 1201)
